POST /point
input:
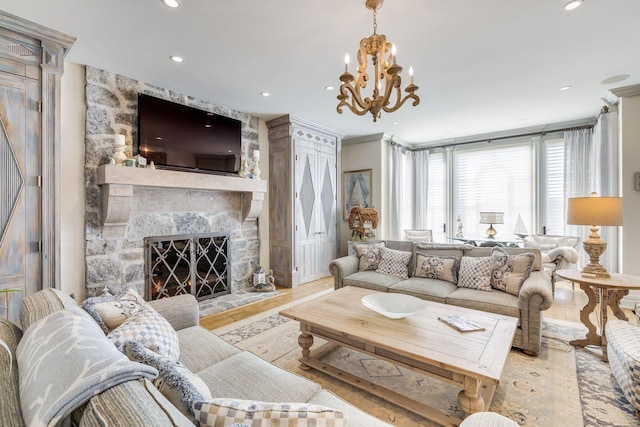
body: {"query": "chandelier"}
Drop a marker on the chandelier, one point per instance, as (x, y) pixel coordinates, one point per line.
(387, 94)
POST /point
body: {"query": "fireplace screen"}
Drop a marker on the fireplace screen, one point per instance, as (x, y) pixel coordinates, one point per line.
(196, 264)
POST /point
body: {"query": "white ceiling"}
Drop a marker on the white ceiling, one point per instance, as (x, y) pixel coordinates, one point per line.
(482, 66)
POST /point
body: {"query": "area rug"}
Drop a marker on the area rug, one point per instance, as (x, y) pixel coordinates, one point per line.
(560, 387)
(233, 300)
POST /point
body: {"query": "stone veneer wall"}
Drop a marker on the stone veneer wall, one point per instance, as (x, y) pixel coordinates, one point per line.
(111, 102)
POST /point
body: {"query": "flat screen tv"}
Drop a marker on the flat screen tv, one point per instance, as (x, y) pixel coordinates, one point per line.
(179, 137)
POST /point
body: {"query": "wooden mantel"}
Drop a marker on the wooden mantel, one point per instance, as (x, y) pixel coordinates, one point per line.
(117, 184)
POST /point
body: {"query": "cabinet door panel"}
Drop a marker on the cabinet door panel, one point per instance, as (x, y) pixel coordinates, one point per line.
(20, 221)
(306, 213)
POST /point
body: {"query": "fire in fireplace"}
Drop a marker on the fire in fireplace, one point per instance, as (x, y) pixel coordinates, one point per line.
(196, 264)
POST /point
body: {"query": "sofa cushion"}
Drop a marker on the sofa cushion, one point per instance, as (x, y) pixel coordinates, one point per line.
(256, 380)
(41, 304)
(394, 262)
(79, 362)
(10, 411)
(510, 271)
(110, 311)
(430, 289)
(133, 403)
(177, 383)
(150, 329)
(475, 273)
(486, 251)
(222, 412)
(493, 302)
(368, 255)
(371, 280)
(437, 267)
(200, 348)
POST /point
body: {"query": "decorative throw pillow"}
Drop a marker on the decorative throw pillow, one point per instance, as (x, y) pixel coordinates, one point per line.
(475, 273)
(368, 255)
(394, 262)
(437, 267)
(510, 271)
(221, 412)
(178, 384)
(150, 329)
(110, 311)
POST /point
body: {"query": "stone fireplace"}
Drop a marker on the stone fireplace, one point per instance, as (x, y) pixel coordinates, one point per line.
(196, 264)
(124, 205)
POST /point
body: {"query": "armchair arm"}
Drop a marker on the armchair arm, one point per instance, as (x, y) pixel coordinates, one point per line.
(181, 311)
(342, 267)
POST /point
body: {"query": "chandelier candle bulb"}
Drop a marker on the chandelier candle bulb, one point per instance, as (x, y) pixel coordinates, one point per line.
(410, 75)
(393, 53)
(346, 63)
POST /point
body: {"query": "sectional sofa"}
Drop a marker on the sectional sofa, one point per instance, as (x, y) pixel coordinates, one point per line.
(525, 301)
(61, 369)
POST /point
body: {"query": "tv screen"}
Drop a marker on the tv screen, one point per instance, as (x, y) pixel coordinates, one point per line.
(176, 136)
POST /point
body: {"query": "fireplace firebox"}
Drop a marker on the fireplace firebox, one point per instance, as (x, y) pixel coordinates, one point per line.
(196, 264)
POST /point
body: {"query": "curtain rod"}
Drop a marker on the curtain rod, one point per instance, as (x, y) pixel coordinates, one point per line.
(498, 138)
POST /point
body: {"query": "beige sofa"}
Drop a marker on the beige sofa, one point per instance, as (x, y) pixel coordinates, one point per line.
(534, 296)
(225, 369)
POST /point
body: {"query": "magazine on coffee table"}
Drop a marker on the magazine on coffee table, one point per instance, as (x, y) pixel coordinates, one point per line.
(460, 323)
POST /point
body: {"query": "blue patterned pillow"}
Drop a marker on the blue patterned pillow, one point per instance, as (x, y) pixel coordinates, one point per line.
(437, 267)
(150, 329)
(475, 273)
(394, 262)
(222, 412)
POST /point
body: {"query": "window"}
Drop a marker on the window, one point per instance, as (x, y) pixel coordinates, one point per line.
(501, 179)
(552, 191)
(437, 200)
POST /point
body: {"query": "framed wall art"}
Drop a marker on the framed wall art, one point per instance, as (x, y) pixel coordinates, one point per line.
(356, 187)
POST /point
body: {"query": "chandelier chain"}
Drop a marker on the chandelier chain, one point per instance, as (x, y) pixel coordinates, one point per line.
(375, 22)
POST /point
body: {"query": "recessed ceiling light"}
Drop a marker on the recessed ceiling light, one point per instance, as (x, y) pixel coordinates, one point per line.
(207, 125)
(171, 3)
(329, 87)
(265, 93)
(394, 123)
(522, 120)
(615, 79)
(175, 58)
(565, 88)
(573, 4)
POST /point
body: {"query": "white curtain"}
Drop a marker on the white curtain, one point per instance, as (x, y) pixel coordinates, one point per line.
(420, 172)
(591, 164)
(396, 175)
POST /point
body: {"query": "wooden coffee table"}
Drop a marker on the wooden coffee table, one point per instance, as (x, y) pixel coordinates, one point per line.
(471, 360)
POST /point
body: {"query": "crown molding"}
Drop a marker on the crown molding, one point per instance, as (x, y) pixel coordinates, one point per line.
(622, 92)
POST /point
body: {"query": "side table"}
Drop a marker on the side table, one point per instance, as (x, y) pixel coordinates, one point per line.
(606, 290)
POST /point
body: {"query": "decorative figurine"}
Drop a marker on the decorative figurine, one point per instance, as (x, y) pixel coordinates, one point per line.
(118, 149)
(256, 168)
(459, 233)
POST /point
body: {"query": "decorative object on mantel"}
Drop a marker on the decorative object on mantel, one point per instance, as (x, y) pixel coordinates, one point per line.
(520, 229)
(491, 218)
(243, 172)
(118, 149)
(256, 160)
(459, 232)
(594, 211)
(151, 165)
(386, 76)
(363, 223)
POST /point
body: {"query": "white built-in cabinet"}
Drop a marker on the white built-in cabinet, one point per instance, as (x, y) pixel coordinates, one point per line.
(303, 200)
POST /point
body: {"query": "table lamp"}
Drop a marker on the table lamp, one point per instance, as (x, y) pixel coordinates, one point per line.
(491, 218)
(594, 211)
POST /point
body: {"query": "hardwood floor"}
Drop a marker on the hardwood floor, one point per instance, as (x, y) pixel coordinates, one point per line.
(566, 306)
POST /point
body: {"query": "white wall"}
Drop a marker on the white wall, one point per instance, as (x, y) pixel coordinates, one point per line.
(357, 154)
(72, 115)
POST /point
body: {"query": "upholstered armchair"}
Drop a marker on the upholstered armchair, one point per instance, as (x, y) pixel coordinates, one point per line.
(424, 236)
(558, 252)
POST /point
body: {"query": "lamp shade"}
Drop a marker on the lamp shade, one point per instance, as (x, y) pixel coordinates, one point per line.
(594, 210)
(491, 217)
